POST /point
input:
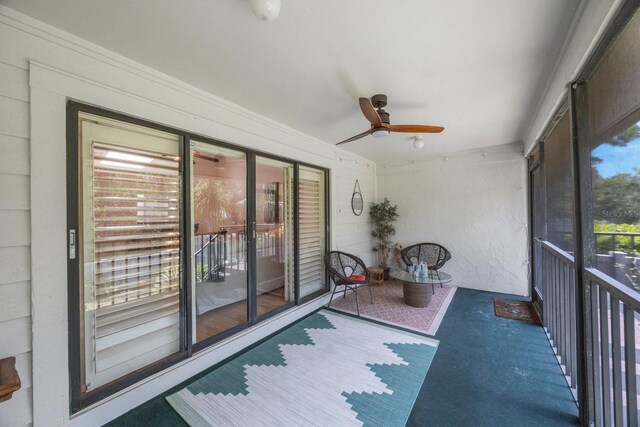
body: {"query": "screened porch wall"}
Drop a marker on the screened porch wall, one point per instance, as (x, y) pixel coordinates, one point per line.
(590, 198)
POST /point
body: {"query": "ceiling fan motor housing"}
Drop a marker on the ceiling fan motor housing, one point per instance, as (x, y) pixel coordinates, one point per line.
(379, 100)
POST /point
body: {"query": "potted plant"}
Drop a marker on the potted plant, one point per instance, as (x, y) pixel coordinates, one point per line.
(383, 215)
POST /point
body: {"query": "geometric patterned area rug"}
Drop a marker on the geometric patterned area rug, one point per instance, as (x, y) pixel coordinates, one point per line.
(327, 370)
(389, 306)
(514, 309)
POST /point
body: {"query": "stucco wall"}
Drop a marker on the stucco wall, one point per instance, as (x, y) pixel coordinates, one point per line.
(474, 205)
(41, 69)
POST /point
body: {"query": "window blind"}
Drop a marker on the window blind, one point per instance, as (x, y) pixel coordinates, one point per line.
(311, 224)
(559, 185)
(614, 86)
(131, 253)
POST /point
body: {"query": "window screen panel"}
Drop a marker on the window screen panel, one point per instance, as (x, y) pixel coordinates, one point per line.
(559, 185)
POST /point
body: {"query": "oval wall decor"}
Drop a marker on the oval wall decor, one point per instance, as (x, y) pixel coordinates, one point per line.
(357, 203)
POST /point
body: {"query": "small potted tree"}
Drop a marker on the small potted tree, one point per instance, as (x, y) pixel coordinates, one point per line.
(383, 215)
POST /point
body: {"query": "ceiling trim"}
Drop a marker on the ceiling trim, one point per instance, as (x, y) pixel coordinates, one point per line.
(477, 156)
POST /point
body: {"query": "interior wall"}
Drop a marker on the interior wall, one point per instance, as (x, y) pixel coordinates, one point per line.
(472, 203)
(41, 69)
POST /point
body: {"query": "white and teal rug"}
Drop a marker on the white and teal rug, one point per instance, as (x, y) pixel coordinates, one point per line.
(328, 369)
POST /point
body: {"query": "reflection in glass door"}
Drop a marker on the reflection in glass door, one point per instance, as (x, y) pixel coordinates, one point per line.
(219, 263)
(274, 235)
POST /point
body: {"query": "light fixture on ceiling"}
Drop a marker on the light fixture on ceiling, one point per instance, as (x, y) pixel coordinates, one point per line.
(380, 132)
(418, 142)
(265, 10)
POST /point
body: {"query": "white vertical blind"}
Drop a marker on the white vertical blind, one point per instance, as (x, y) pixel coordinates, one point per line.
(312, 235)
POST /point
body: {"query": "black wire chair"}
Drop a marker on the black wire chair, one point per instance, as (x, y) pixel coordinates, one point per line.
(433, 255)
(348, 272)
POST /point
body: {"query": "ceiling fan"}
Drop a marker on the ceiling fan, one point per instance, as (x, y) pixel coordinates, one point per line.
(379, 120)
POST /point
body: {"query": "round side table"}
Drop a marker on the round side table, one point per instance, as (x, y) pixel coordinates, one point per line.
(416, 288)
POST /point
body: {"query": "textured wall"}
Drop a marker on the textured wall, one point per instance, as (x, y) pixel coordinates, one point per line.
(475, 206)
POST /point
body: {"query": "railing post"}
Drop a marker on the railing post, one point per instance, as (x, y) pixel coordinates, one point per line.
(210, 265)
(613, 243)
(630, 366)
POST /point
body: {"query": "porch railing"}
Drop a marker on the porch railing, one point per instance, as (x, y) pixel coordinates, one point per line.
(615, 323)
(559, 314)
(611, 241)
(219, 254)
(210, 256)
(615, 333)
(223, 253)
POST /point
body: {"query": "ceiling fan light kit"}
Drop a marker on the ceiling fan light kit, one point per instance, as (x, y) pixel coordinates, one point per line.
(265, 10)
(380, 124)
(380, 132)
(418, 142)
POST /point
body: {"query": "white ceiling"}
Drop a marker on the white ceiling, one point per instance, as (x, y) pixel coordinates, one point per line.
(476, 67)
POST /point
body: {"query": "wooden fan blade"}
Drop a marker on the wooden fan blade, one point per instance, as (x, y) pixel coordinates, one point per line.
(416, 128)
(353, 138)
(370, 112)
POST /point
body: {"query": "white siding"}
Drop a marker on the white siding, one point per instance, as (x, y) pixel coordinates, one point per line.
(14, 117)
(15, 237)
(15, 303)
(32, 219)
(353, 233)
(14, 83)
(15, 228)
(15, 155)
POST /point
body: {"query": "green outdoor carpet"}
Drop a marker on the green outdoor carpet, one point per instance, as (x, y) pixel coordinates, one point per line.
(488, 371)
(492, 371)
(329, 369)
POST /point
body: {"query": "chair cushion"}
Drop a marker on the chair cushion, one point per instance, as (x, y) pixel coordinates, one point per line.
(351, 279)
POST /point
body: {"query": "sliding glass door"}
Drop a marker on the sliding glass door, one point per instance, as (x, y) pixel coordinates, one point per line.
(177, 242)
(130, 257)
(274, 235)
(219, 263)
